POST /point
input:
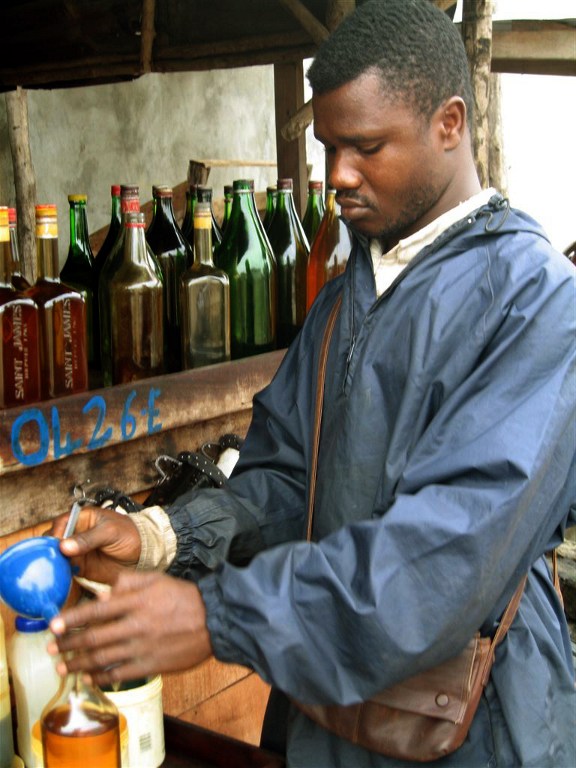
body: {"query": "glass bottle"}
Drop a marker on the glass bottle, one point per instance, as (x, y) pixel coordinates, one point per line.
(34, 678)
(290, 247)
(228, 191)
(19, 352)
(114, 230)
(270, 207)
(18, 280)
(78, 272)
(80, 727)
(62, 316)
(174, 255)
(135, 297)
(329, 251)
(205, 292)
(6, 739)
(187, 226)
(315, 209)
(246, 256)
(204, 195)
(129, 203)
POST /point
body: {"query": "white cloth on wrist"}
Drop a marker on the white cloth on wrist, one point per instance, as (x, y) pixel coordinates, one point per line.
(157, 538)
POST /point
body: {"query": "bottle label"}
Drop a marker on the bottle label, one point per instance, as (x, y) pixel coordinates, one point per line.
(47, 229)
(135, 225)
(4, 233)
(130, 205)
(202, 222)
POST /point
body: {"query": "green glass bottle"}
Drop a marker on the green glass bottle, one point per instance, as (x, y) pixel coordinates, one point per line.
(315, 210)
(78, 272)
(205, 302)
(187, 226)
(270, 207)
(173, 254)
(129, 203)
(290, 247)
(228, 191)
(19, 351)
(18, 280)
(204, 195)
(246, 256)
(114, 230)
(329, 251)
(63, 347)
(135, 293)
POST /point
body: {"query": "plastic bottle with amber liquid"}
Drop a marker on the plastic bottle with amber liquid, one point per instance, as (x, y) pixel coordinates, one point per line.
(135, 299)
(18, 280)
(62, 315)
(290, 247)
(245, 254)
(315, 209)
(205, 302)
(78, 272)
(174, 256)
(19, 333)
(329, 250)
(129, 203)
(80, 727)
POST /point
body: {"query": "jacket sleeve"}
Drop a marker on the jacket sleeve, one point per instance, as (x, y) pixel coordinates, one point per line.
(483, 493)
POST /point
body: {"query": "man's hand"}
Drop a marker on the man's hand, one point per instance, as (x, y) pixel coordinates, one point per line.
(105, 543)
(148, 623)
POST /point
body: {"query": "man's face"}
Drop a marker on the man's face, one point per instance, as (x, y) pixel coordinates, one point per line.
(386, 162)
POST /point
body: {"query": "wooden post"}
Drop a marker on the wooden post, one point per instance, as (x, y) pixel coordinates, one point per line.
(288, 98)
(477, 35)
(148, 33)
(497, 173)
(24, 177)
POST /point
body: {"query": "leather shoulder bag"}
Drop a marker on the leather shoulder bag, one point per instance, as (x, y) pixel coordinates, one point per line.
(425, 716)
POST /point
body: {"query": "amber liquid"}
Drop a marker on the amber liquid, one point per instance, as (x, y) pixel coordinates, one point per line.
(19, 360)
(65, 746)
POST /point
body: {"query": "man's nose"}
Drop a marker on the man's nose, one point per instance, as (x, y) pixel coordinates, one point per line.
(342, 173)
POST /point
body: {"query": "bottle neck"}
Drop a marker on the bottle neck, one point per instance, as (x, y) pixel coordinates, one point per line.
(129, 205)
(5, 262)
(135, 246)
(115, 213)
(164, 211)
(203, 242)
(79, 240)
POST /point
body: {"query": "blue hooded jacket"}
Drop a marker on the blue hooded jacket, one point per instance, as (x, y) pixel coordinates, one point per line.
(446, 471)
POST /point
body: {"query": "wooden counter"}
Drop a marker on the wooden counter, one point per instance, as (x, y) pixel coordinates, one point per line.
(112, 436)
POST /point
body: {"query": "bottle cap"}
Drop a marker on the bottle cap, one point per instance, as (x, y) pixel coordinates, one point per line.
(161, 190)
(46, 210)
(284, 184)
(315, 186)
(4, 216)
(77, 198)
(23, 624)
(204, 194)
(115, 190)
(12, 215)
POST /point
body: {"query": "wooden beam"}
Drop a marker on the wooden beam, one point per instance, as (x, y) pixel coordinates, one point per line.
(534, 47)
(309, 22)
(148, 34)
(291, 155)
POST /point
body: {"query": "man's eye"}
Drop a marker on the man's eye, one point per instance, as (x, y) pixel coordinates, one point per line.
(371, 150)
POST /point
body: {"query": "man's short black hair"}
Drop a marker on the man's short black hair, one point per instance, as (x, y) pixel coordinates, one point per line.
(412, 44)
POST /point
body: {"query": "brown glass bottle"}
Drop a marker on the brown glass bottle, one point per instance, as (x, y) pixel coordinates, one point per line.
(173, 255)
(290, 247)
(205, 303)
(18, 280)
(80, 727)
(135, 294)
(129, 203)
(19, 351)
(63, 351)
(329, 252)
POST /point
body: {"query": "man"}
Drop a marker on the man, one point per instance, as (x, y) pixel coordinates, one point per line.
(446, 465)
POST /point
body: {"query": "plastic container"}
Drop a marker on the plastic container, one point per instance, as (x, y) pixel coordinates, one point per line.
(6, 741)
(34, 678)
(142, 707)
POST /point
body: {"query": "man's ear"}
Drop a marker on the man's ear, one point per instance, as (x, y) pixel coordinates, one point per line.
(451, 122)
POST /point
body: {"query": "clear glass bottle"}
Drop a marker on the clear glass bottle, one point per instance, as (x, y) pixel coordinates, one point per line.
(245, 254)
(290, 247)
(204, 195)
(80, 727)
(329, 252)
(315, 209)
(270, 206)
(174, 255)
(62, 315)
(78, 272)
(129, 203)
(205, 303)
(135, 297)
(19, 351)
(18, 280)
(34, 678)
